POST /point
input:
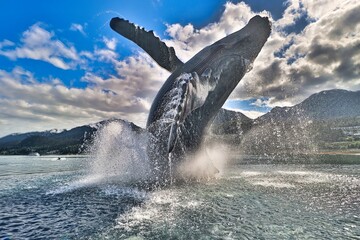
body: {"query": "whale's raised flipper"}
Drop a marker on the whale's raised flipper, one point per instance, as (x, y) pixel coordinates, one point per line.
(165, 56)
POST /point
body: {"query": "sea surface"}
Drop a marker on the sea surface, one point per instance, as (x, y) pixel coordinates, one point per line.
(52, 198)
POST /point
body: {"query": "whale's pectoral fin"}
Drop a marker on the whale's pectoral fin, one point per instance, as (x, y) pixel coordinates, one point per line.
(165, 56)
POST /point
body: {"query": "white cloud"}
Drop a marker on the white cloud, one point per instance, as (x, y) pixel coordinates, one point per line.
(86, 54)
(127, 95)
(187, 40)
(321, 8)
(260, 103)
(110, 43)
(106, 55)
(249, 113)
(294, 11)
(137, 80)
(6, 43)
(77, 27)
(40, 44)
(322, 56)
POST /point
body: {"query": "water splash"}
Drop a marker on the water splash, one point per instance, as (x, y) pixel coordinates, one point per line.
(281, 139)
(208, 163)
(118, 153)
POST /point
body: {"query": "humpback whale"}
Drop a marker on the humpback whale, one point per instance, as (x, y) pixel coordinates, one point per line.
(195, 91)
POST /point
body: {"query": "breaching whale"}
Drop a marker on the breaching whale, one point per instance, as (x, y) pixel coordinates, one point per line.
(195, 91)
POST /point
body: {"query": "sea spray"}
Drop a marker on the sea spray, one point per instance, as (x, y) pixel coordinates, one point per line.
(118, 153)
(205, 164)
(116, 156)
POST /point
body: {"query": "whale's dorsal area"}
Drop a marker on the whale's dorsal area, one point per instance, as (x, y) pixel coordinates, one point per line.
(165, 56)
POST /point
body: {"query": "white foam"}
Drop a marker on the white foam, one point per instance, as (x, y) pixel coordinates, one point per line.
(157, 208)
(81, 183)
(299, 173)
(271, 183)
(287, 178)
(124, 192)
(250, 173)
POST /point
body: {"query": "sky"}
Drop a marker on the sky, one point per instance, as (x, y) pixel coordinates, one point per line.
(61, 65)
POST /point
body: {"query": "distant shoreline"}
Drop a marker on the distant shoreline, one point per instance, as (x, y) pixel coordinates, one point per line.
(353, 153)
(322, 152)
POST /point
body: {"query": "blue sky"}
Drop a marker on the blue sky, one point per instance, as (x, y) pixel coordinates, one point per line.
(62, 66)
(93, 17)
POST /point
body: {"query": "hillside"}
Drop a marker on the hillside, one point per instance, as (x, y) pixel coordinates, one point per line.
(325, 105)
(316, 124)
(71, 141)
(229, 127)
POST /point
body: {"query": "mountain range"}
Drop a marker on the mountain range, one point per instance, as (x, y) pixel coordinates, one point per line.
(316, 122)
(315, 125)
(73, 141)
(325, 105)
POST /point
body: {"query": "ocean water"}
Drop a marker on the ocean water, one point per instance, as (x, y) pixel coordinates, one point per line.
(47, 198)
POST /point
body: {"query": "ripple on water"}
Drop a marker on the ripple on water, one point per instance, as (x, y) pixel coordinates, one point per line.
(34, 213)
(236, 207)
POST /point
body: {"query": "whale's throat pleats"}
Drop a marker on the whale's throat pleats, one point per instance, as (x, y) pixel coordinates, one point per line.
(188, 93)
